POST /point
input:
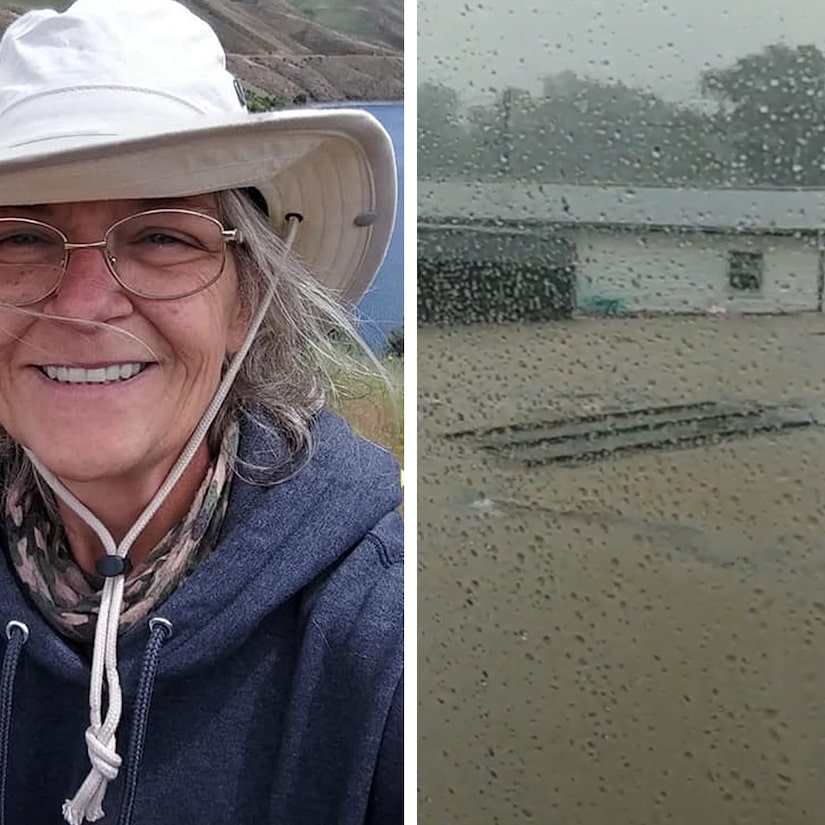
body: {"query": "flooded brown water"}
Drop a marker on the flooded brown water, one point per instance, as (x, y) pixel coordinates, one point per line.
(638, 640)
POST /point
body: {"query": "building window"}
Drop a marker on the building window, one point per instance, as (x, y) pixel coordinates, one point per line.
(745, 271)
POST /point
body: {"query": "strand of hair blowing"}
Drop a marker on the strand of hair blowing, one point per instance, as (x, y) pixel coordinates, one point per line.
(306, 345)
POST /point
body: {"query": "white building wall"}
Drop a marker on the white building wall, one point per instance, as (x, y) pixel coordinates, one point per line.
(678, 272)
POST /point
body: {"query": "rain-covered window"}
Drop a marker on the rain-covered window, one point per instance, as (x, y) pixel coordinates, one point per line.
(621, 399)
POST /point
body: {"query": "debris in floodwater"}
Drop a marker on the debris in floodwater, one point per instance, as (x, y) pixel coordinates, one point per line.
(602, 436)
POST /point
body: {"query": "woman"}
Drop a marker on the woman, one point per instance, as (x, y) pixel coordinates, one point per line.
(201, 581)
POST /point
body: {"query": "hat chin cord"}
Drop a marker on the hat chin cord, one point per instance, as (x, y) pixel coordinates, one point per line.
(87, 804)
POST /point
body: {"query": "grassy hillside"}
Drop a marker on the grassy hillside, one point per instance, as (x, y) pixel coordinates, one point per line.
(306, 49)
(379, 21)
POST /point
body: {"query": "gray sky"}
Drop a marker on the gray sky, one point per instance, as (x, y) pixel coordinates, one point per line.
(662, 45)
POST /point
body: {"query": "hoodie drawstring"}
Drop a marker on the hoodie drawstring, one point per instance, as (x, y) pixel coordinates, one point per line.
(17, 634)
(159, 631)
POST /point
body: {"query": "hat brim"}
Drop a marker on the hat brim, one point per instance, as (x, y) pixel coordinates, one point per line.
(335, 168)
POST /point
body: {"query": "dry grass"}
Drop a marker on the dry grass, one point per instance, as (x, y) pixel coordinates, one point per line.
(375, 410)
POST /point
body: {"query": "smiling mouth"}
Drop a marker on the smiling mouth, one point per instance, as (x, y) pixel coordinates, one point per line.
(98, 375)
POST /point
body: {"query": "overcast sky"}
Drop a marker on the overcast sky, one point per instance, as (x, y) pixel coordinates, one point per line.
(661, 45)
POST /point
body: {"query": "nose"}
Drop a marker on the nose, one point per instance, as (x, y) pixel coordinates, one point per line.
(88, 290)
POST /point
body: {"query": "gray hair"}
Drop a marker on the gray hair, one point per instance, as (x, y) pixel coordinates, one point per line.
(307, 353)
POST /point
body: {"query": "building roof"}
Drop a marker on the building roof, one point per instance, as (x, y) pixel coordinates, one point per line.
(727, 210)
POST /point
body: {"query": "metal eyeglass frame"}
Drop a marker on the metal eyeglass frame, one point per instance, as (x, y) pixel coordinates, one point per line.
(228, 236)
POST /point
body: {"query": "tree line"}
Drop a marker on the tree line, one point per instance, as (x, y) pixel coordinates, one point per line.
(761, 123)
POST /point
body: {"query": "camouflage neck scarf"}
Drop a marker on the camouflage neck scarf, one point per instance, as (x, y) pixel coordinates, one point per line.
(68, 598)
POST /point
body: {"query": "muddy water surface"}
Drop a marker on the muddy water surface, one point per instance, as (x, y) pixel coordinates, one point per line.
(637, 640)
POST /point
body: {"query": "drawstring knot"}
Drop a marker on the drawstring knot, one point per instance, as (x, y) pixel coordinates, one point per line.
(87, 803)
(103, 754)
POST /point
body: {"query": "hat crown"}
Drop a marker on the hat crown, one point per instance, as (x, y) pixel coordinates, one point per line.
(155, 46)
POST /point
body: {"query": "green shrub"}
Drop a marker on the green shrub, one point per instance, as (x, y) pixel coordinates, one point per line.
(394, 347)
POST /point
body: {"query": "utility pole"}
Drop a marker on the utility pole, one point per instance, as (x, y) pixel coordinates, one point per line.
(506, 136)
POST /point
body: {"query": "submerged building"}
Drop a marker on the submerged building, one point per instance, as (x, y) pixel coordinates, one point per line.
(511, 249)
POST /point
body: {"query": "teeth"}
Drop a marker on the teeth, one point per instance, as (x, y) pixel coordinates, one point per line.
(128, 370)
(100, 375)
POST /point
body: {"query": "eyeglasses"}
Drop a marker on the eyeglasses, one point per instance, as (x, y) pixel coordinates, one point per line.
(160, 254)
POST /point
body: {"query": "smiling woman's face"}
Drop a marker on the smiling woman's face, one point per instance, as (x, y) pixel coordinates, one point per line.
(127, 427)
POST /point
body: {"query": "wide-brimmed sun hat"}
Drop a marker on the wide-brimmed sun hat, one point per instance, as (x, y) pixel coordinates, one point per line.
(122, 99)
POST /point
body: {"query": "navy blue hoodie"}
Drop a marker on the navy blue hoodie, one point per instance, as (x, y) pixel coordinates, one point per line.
(277, 697)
